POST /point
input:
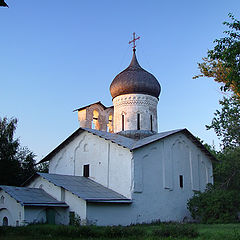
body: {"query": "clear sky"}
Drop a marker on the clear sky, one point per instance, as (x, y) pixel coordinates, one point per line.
(58, 55)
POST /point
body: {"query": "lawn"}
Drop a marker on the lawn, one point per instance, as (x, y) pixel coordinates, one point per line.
(149, 232)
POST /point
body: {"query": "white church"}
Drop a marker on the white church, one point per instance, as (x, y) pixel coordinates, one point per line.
(116, 168)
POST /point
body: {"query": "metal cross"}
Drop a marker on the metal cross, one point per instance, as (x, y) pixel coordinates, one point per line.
(133, 41)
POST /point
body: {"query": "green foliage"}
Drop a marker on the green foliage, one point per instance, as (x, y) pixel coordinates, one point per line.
(120, 232)
(17, 163)
(9, 164)
(176, 230)
(74, 219)
(227, 170)
(3, 4)
(45, 230)
(43, 167)
(226, 123)
(215, 205)
(223, 61)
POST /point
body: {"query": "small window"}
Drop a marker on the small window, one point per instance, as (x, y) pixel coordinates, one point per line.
(181, 181)
(138, 121)
(151, 122)
(86, 170)
(2, 200)
(122, 122)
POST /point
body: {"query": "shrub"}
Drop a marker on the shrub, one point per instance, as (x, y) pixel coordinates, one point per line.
(3, 231)
(215, 205)
(176, 230)
(120, 231)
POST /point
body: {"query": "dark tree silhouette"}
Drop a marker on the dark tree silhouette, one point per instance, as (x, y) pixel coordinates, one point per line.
(3, 4)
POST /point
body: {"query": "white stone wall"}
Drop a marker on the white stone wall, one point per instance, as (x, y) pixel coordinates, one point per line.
(75, 203)
(156, 192)
(110, 164)
(11, 209)
(38, 215)
(130, 105)
(35, 215)
(157, 168)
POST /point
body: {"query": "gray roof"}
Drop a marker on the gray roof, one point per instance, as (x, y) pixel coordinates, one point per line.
(131, 144)
(134, 79)
(84, 188)
(32, 196)
(98, 103)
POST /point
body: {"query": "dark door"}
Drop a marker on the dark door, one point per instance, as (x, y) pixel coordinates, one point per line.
(50, 215)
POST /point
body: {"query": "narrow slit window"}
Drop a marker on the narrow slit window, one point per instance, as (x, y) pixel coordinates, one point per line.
(181, 181)
(151, 122)
(138, 121)
(86, 170)
(122, 122)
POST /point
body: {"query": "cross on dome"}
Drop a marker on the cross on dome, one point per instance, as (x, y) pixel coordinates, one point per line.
(133, 41)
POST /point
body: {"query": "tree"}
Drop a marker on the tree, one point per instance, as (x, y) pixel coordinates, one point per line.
(226, 123)
(9, 164)
(215, 205)
(3, 4)
(223, 61)
(220, 203)
(27, 163)
(227, 171)
(17, 163)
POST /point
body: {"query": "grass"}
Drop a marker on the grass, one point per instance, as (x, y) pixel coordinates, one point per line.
(148, 232)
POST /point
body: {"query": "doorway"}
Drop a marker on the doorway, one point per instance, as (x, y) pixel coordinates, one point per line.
(50, 215)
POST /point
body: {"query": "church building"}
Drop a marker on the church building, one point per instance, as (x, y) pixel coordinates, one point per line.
(116, 168)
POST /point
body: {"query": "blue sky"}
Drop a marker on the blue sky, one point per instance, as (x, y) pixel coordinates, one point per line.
(58, 55)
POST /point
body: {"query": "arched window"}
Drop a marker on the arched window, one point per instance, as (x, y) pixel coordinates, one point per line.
(95, 124)
(5, 221)
(41, 186)
(109, 125)
(2, 200)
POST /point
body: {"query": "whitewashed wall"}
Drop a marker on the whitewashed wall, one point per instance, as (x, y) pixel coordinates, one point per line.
(130, 105)
(38, 215)
(75, 203)
(11, 209)
(156, 193)
(110, 164)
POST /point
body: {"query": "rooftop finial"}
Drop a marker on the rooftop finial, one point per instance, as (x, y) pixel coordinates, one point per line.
(133, 41)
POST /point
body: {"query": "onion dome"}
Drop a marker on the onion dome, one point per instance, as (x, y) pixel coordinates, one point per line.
(134, 79)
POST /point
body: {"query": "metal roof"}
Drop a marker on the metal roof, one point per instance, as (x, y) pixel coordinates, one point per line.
(32, 196)
(131, 144)
(134, 79)
(85, 188)
(98, 103)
